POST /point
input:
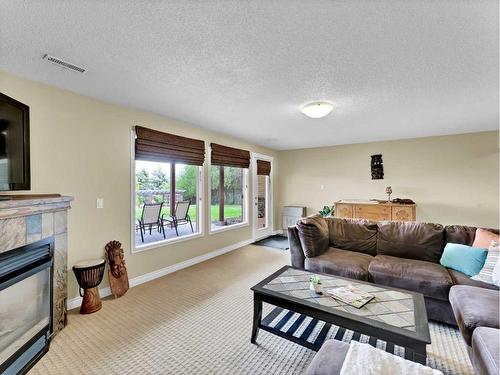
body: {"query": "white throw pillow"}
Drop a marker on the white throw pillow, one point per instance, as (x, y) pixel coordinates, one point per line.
(496, 273)
(486, 275)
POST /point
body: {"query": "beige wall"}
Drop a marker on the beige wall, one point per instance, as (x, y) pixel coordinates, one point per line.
(81, 147)
(453, 179)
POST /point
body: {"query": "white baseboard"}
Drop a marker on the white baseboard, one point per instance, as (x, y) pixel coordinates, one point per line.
(104, 292)
(278, 231)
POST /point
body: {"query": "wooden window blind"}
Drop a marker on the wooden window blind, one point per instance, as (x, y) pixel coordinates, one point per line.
(263, 167)
(153, 145)
(229, 157)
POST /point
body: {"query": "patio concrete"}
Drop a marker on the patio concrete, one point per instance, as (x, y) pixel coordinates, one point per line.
(156, 236)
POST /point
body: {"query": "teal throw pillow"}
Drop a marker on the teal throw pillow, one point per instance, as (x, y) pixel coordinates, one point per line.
(463, 258)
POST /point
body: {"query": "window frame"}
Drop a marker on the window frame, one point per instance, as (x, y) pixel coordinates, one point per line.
(245, 222)
(162, 243)
(270, 201)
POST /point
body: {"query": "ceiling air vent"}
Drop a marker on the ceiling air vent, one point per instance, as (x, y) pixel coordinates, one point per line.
(64, 64)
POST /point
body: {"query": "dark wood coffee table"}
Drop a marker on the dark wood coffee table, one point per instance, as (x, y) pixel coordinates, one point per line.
(395, 316)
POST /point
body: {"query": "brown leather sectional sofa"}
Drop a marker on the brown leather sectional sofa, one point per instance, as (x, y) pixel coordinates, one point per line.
(399, 254)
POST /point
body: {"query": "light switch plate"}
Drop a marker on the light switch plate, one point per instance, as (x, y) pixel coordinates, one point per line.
(100, 203)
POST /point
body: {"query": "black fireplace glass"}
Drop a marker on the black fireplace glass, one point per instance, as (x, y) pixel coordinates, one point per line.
(25, 305)
(24, 311)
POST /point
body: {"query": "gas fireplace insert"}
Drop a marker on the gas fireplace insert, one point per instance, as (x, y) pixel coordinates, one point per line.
(26, 293)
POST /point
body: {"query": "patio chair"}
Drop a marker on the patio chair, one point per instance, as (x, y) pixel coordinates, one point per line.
(179, 217)
(150, 217)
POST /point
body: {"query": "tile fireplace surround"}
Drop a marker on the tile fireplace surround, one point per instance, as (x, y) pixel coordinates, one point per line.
(27, 219)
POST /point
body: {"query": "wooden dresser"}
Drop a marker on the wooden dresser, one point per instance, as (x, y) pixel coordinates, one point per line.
(376, 212)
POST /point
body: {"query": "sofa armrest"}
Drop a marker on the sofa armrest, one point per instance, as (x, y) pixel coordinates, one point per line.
(296, 251)
(474, 307)
(485, 353)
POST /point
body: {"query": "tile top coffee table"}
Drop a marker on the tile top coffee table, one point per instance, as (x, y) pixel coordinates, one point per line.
(396, 316)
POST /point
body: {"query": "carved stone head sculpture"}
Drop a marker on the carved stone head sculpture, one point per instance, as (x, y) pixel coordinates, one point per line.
(116, 261)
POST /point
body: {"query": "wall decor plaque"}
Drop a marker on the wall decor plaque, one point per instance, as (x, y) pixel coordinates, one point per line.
(377, 167)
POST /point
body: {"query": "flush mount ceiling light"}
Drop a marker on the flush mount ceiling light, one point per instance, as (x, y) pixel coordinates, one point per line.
(316, 109)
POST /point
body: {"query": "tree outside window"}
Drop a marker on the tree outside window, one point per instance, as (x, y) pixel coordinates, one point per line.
(153, 185)
(227, 198)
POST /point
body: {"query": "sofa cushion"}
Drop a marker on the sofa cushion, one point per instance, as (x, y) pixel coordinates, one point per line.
(495, 276)
(492, 259)
(485, 353)
(329, 359)
(430, 279)
(439, 310)
(467, 259)
(460, 278)
(484, 237)
(353, 234)
(412, 240)
(474, 307)
(345, 263)
(313, 235)
(462, 234)
(296, 251)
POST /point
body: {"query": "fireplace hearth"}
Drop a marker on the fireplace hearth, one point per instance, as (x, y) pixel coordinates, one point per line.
(26, 305)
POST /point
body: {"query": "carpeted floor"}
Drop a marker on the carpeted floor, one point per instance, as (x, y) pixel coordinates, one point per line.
(198, 321)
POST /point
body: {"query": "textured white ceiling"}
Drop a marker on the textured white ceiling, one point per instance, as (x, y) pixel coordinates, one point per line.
(394, 69)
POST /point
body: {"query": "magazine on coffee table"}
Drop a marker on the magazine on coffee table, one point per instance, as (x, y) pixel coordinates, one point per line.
(350, 295)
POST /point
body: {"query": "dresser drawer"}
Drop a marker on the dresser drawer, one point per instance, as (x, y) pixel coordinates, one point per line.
(344, 210)
(373, 212)
(403, 213)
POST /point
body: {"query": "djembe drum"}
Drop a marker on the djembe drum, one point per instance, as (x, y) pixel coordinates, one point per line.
(89, 275)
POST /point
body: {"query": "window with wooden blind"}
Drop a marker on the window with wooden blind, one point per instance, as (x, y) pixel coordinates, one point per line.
(228, 186)
(167, 187)
(229, 156)
(263, 168)
(153, 145)
(262, 183)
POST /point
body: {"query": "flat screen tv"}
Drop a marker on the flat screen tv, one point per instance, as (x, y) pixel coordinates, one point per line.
(14, 145)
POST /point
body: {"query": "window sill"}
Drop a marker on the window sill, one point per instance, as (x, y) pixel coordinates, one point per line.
(228, 227)
(154, 245)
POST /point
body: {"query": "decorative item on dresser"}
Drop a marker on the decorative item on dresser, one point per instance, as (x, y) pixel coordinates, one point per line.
(388, 191)
(327, 211)
(375, 210)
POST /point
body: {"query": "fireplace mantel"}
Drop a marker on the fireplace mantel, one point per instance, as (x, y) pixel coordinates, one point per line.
(25, 219)
(24, 205)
